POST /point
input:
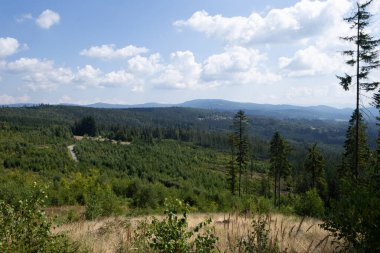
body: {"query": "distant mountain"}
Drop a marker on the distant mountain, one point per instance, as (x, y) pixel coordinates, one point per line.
(119, 106)
(321, 112)
(278, 111)
(20, 105)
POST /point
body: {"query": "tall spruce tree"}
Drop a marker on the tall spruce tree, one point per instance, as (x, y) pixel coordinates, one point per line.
(240, 123)
(348, 168)
(364, 58)
(231, 166)
(315, 165)
(279, 163)
(355, 217)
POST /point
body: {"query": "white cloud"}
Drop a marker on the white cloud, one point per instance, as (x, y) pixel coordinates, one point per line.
(183, 72)
(89, 76)
(8, 46)
(144, 66)
(40, 74)
(110, 52)
(6, 99)
(303, 20)
(237, 65)
(24, 17)
(47, 19)
(311, 62)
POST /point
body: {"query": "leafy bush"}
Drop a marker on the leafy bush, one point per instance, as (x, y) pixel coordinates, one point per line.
(172, 233)
(310, 204)
(355, 217)
(25, 228)
(262, 205)
(100, 202)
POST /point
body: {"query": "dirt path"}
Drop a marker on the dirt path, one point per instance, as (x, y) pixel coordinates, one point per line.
(72, 153)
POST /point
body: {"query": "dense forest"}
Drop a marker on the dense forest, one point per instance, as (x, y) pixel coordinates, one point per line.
(176, 151)
(130, 161)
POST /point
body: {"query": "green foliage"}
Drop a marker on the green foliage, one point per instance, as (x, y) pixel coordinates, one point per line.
(365, 56)
(100, 202)
(310, 204)
(86, 126)
(262, 205)
(172, 233)
(240, 141)
(231, 176)
(25, 228)
(279, 163)
(315, 166)
(354, 221)
(348, 168)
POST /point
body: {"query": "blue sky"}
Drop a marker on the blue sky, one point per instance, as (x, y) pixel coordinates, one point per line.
(128, 52)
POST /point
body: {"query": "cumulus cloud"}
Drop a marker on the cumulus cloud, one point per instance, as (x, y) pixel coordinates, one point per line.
(6, 99)
(8, 46)
(311, 62)
(89, 76)
(110, 52)
(47, 19)
(303, 20)
(145, 66)
(39, 74)
(183, 72)
(237, 65)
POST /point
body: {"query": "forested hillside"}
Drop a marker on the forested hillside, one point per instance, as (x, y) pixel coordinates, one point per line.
(132, 160)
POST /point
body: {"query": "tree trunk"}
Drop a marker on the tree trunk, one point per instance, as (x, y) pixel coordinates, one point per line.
(356, 172)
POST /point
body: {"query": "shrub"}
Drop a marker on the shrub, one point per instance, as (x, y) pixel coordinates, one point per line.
(262, 205)
(24, 227)
(310, 204)
(172, 233)
(101, 202)
(354, 219)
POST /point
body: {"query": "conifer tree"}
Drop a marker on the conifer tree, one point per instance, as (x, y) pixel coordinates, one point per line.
(348, 169)
(365, 59)
(315, 165)
(279, 163)
(231, 166)
(240, 123)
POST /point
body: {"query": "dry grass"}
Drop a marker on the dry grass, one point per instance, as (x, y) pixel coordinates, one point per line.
(293, 234)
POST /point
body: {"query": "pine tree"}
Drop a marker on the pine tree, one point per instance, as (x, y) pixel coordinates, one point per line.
(240, 123)
(365, 59)
(231, 166)
(279, 163)
(315, 165)
(348, 169)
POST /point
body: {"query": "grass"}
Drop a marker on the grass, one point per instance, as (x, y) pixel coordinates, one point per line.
(290, 233)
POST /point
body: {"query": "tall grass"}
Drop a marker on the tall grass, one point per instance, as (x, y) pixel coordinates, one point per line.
(286, 233)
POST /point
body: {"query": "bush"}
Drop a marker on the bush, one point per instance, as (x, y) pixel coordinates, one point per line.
(172, 233)
(101, 202)
(310, 204)
(262, 205)
(355, 218)
(24, 227)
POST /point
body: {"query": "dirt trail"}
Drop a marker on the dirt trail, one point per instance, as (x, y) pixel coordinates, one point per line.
(72, 153)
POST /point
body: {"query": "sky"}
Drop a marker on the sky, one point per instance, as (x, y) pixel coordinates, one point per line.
(171, 51)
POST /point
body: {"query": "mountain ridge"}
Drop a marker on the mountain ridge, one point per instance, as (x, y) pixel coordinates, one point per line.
(322, 112)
